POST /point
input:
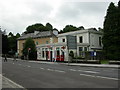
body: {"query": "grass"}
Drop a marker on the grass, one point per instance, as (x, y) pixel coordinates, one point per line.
(104, 62)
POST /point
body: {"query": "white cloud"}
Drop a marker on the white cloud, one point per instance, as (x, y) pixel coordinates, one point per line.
(16, 15)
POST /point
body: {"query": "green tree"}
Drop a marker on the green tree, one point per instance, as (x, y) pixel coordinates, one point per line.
(12, 42)
(29, 49)
(49, 26)
(5, 44)
(111, 37)
(38, 27)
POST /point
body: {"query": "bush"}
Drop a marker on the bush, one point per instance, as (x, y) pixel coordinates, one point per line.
(71, 54)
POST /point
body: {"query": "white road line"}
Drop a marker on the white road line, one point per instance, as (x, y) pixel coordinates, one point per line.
(60, 71)
(88, 71)
(28, 66)
(73, 70)
(87, 75)
(50, 69)
(42, 68)
(99, 77)
(107, 78)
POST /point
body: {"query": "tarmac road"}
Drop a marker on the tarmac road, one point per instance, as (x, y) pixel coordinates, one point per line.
(30, 74)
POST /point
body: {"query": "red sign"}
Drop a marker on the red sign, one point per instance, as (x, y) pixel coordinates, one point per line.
(63, 47)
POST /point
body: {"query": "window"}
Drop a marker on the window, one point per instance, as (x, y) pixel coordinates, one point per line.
(36, 43)
(80, 48)
(100, 39)
(58, 52)
(85, 48)
(63, 40)
(81, 39)
(46, 42)
(43, 54)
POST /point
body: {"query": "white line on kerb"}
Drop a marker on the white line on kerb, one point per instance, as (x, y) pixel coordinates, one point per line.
(99, 77)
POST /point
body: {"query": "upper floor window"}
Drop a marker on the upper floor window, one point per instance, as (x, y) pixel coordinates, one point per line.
(100, 41)
(63, 40)
(81, 39)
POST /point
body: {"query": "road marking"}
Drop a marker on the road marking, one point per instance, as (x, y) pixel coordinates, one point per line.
(42, 68)
(50, 69)
(73, 70)
(28, 66)
(87, 75)
(99, 77)
(88, 71)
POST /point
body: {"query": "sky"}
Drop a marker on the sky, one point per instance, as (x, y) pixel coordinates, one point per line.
(17, 15)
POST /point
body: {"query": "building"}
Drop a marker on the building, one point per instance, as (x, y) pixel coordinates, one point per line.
(86, 40)
(39, 38)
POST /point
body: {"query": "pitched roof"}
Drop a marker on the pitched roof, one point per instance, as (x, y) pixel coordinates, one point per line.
(36, 35)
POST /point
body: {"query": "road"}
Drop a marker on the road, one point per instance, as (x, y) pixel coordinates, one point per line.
(55, 75)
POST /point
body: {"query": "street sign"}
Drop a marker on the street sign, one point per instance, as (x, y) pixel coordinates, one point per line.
(71, 42)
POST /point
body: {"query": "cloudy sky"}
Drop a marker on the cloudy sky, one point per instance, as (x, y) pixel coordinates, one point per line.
(16, 15)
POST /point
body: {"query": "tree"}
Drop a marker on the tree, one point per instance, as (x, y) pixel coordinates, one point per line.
(38, 27)
(17, 35)
(4, 44)
(49, 26)
(111, 37)
(12, 40)
(29, 49)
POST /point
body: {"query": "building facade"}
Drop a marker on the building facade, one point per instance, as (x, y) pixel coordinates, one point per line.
(39, 38)
(86, 40)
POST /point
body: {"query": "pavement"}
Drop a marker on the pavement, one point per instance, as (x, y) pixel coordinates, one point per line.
(7, 83)
(81, 64)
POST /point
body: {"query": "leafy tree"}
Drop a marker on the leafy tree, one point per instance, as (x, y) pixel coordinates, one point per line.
(4, 44)
(38, 27)
(29, 49)
(12, 40)
(49, 26)
(81, 28)
(111, 37)
(17, 35)
(69, 28)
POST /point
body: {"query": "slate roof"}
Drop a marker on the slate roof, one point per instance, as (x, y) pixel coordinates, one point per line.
(38, 35)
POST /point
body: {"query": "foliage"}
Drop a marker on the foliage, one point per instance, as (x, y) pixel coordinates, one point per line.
(38, 27)
(12, 42)
(29, 43)
(69, 28)
(111, 38)
(104, 61)
(4, 44)
(71, 54)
